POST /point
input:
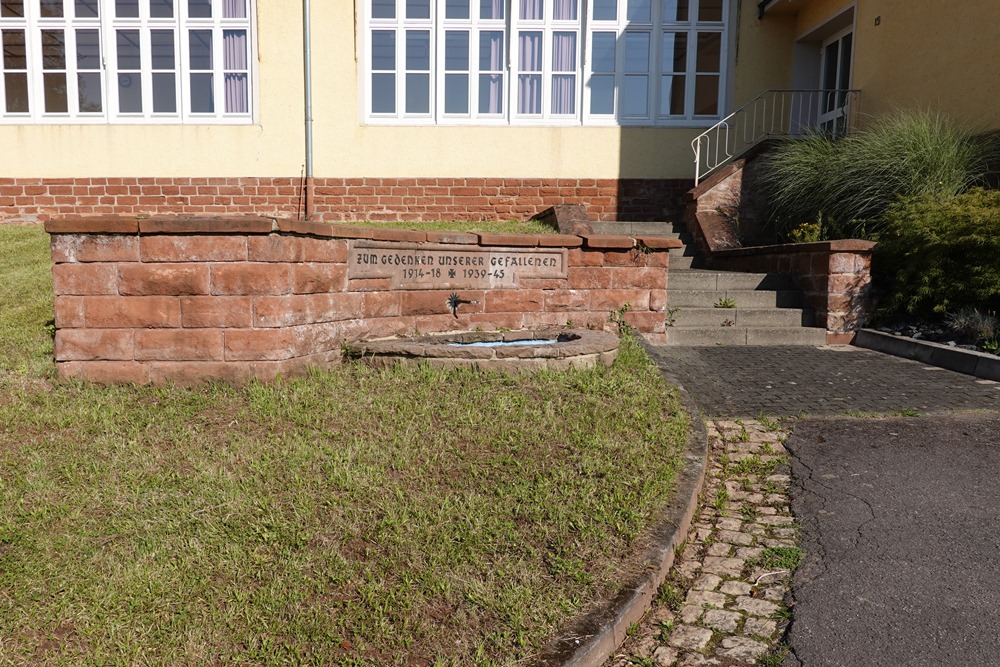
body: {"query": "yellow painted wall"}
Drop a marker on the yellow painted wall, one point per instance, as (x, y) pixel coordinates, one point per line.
(763, 52)
(930, 55)
(898, 63)
(817, 12)
(347, 148)
(271, 148)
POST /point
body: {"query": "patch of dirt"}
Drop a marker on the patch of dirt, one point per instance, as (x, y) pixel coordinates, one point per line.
(935, 332)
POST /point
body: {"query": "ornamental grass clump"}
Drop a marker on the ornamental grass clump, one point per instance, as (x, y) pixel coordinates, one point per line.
(849, 183)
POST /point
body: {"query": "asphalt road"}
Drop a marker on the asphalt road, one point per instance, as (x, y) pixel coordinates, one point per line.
(900, 526)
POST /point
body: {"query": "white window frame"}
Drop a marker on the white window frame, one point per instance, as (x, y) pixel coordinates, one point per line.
(584, 27)
(108, 26)
(548, 26)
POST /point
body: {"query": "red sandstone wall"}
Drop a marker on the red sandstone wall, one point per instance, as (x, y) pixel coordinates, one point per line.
(183, 300)
(337, 199)
(834, 277)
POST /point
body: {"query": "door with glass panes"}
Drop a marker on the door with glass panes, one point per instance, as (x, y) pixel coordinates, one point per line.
(835, 73)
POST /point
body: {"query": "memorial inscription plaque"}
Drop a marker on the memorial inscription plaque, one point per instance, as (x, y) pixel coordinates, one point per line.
(433, 266)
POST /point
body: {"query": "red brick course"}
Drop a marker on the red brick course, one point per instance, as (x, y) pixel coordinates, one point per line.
(193, 301)
(335, 199)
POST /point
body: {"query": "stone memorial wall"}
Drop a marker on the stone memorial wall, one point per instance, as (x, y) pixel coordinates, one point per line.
(183, 300)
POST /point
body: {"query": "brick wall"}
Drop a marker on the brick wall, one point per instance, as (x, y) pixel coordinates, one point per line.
(337, 199)
(834, 277)
(184, 300)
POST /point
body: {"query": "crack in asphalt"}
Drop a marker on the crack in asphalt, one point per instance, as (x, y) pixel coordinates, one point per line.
(814, 566)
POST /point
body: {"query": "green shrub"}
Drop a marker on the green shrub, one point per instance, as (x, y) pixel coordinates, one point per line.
(939, 255)
(851, 182)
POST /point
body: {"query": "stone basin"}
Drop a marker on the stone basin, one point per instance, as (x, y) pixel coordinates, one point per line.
(560, 349)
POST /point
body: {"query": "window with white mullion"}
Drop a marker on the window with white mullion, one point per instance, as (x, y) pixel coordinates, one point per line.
(547, 58)
(455, 96)
(415, 88)
(416, 85)
(126, 60)
(674, 80)
(709, 52)
(15, 95)
(491, 73)
(472, 47)
(400, 54)
(62, 45)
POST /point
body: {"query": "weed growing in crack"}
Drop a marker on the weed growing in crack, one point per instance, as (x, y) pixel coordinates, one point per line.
(670, 596)
(775, 657)
(721, 498)
(666, 627)
(754, 465)
(778, 558)
(767, 423)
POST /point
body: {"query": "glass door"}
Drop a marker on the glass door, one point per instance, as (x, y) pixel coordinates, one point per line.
(835, 73)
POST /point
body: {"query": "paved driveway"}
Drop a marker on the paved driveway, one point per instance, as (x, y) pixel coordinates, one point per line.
(745, 381)
(900, 523)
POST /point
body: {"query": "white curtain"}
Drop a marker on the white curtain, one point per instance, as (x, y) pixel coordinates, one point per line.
(529, 86)
(531, 10)
(491, 9)
(563, 60)
(234, 9)
(234, 49)
(491, 60)
(564, 10)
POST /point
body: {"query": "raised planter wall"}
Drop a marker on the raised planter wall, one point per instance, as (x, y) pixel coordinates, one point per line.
(834, 276)
(185, 300)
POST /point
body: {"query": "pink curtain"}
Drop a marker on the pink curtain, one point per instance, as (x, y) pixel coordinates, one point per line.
(234, 50)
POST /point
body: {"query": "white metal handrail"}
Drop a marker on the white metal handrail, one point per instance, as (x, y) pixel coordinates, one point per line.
(773, 113)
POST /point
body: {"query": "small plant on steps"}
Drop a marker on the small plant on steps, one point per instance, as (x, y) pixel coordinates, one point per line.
(725, 302)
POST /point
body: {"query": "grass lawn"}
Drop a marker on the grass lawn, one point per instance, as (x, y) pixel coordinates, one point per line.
(353, 517)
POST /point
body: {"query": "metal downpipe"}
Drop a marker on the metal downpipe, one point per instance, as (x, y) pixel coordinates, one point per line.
(309, 207)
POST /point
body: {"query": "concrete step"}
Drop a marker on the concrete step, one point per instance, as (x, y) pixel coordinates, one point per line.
(701, 279)
(743, 317)
(682, 262)
(665, 229)
(687, 298)
(745, 336)
(687, 251)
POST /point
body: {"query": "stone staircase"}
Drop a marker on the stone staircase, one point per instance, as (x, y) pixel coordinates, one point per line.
(707, 307)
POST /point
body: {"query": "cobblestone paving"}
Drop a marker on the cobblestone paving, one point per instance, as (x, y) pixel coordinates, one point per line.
(724, 602)
(735, 381)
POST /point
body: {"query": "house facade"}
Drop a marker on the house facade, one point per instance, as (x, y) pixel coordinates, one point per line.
(434, 109)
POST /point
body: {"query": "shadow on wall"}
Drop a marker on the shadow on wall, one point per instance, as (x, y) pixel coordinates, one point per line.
(646, 75)
(646, 149)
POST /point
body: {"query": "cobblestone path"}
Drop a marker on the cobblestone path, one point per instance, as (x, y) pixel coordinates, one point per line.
(745, 381)
(724, 603)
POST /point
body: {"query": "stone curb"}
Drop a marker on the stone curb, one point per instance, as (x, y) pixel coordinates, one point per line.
(969, 362)
(592, 640)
